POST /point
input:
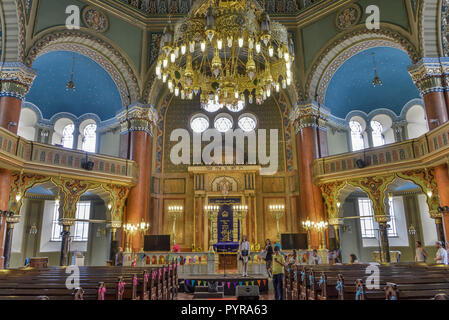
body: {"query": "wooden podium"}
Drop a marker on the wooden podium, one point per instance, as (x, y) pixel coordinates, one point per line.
(230, 260)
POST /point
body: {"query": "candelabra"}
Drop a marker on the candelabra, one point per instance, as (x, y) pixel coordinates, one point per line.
(308, 226)
(240, 213)
(175, 212)
(143, 227)
(129, 230)
(320, 227)
(277, 211)
(212, 214)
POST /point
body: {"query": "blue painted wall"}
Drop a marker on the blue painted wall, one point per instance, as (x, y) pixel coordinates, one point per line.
(95, 91)
(351, 87)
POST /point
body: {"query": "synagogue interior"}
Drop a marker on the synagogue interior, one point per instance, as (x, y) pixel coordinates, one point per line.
(164, 142)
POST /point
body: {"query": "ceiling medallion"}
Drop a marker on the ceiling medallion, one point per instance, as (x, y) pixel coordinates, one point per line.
(225, 52)
(95, 19)
(348, 17)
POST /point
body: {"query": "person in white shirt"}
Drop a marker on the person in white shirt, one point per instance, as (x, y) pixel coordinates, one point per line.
(244, 255)
(315, 258)
(441, 255)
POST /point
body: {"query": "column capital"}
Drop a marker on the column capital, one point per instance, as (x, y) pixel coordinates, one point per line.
(427, 74)
(382, 219)
(309, 114)
(66, 222)
(13, 219)
(138, 117)
(335, 222)
(15, 79)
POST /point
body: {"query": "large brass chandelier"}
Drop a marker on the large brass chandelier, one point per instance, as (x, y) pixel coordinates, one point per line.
(227, 52)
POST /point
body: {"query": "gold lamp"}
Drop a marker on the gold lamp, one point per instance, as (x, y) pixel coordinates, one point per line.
(223, 52)
(277, 211)
(175, 212)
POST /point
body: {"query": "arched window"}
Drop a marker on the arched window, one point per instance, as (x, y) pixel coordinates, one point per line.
(89, 138)
(378, 138)
(67, 136)
(356, 135)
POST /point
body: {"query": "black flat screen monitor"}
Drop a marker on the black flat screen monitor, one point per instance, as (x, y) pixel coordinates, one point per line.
(290, 241)
(157, 243)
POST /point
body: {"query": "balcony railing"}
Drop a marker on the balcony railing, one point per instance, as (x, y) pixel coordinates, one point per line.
(17, 153)
(428, 150)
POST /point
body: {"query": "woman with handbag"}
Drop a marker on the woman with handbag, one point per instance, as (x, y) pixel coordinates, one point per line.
(244, 255)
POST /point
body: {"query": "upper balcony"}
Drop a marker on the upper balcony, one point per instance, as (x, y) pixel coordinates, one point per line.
(19, 154)
(428, 150)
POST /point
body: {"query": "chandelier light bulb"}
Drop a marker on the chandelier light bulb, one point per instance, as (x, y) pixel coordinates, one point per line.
(203, 46)
(277, 87)
(192, 46)
(284, 84)
(288, 65)
(251, 43)
(250, 98)
(258, 47)
(172, 57)
(289, 81)
(183, 49)
(240, 42)
(280, 53)
(183, 94)
(164, 78)
(236, 94)
(176, 91)
(219, 44)
(170, 84)
(270, 51)
(165, 63)
(230, 42)
(268, 92)
(286, 57)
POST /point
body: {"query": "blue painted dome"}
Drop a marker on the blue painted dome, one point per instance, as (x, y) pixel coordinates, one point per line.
(95, 91)
(351, 87)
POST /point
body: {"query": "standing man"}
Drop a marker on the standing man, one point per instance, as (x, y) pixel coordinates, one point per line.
(441, 255)
(278, 273)
(119, 257)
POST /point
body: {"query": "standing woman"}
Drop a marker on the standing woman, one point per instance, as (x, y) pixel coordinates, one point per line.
(269, 257)
(421, 254)
(244, 255)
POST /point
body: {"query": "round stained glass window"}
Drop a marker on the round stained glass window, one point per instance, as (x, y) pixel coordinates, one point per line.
(236, 107)
(212, 106)
(223, 122)
(199, 123)
(247, 122)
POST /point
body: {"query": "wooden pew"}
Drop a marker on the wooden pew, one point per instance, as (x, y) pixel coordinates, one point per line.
(391, 291)
(303, 284)
(360, 292)
(322, 285)
(311, 290)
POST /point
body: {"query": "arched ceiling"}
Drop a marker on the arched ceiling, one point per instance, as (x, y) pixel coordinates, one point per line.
(95, 91)
(351, 87)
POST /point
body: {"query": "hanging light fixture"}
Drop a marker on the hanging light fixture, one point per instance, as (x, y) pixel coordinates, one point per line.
(225, 52)
(71, 85)
(377, 81)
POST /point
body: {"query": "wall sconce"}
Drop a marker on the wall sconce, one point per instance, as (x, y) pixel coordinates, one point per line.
(18, 196)
(338, 204)
(33, 230)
